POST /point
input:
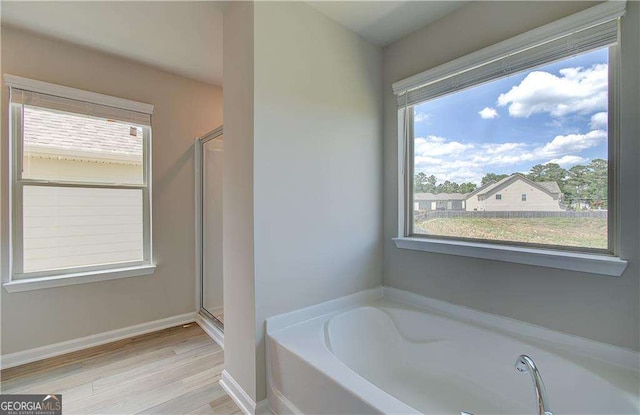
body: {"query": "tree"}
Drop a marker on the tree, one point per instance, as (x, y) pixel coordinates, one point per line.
(587, 186)
(448, 187)
(428, 184)
(575, 188)
(550, 172)
(419, 182)
(467, 187)
(493, 177)
(424, 184)
(431, 183)
(598, 183)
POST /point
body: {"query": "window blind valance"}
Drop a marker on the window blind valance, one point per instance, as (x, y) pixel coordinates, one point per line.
(60, 98)
(591, 29)
(35, 99)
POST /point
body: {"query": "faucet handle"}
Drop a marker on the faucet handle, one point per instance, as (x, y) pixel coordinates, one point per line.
(521, 364)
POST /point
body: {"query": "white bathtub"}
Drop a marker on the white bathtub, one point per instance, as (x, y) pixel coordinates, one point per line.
(402, 353)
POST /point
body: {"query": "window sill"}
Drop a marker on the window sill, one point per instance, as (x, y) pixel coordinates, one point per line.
(77, 278)
(573, 261)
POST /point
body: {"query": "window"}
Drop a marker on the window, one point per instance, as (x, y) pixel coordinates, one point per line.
(543, 129)
(528, 119)
(80, 182)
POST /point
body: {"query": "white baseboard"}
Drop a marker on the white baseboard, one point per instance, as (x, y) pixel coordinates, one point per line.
(211, 329)
(241, 398)
(279, 404)
(263, 408)
(216, 310)
(57, 349)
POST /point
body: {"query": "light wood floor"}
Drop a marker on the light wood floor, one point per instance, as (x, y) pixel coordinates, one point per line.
(173, 371)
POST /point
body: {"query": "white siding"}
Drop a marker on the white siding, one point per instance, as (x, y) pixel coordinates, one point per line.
(474, 204)
(537, 200)
(82, 171)
(73, 227)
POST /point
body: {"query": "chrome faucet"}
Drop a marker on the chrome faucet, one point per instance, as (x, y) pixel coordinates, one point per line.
(525, 364)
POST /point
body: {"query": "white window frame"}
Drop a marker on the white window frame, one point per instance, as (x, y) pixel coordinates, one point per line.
(17, 280)
(604, 262)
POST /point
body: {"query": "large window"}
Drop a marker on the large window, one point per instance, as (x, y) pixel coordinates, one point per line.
(80, 186)
(514, 144)
(539, 136)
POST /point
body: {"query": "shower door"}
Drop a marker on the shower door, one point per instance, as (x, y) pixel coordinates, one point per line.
(209, 171)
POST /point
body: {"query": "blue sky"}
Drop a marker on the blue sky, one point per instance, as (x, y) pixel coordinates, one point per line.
(555, 113)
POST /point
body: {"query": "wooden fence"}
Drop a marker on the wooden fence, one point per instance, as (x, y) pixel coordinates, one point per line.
(445, 214)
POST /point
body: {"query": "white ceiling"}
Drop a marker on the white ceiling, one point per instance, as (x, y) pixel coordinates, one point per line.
(183, 37)
(384, 22)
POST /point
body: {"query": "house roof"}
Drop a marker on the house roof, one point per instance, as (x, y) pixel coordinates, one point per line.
(487, 188)
(439, 196)
(49, 134)
(550, 186)
(481, 189)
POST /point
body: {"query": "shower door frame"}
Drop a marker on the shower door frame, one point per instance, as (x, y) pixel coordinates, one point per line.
(199, 196)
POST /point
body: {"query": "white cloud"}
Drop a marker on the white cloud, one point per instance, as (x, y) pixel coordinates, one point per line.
(424, 160)
(572, 143)
(420, 116)
(599, 121)
(568, 160)
(576, 90)
(512, 159)
(493, 148)
(438, 146)
(488, 113)
(434, 139)
(460, 171)
(464, 162)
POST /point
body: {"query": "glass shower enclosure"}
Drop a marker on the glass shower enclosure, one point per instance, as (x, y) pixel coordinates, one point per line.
(209, 151)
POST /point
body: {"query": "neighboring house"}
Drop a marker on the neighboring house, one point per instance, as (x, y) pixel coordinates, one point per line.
(64, 146)
(439, 201)
(71, 226)
(515, 193)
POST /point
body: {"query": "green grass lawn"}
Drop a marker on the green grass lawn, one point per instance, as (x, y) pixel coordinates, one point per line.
(579, 232)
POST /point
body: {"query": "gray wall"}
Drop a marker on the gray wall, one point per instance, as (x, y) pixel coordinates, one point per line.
(317, 161)
(237, 228)
(310, 214)
(587, 305)
(184, 109)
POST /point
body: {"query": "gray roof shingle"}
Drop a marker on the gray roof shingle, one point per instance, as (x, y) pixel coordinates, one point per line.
(439, 196)
(48, 132)
(552, 187)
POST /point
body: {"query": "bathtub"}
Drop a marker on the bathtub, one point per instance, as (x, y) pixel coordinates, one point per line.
(393, 352)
